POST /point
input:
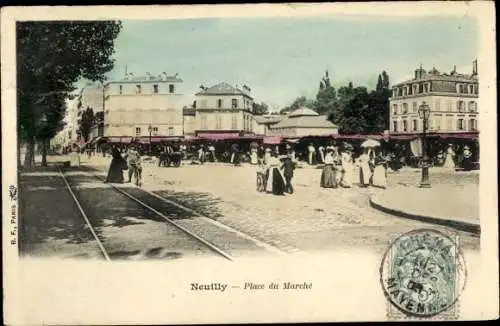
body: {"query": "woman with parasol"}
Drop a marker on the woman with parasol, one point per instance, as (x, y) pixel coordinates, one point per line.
(366, 162)
(347, 166)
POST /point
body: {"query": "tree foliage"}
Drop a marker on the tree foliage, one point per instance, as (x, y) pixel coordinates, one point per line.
(51, 57)
(87, 121)
(352, 109)
(260, 109)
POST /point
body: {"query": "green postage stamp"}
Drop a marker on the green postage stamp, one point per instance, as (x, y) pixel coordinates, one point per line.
(423, 274)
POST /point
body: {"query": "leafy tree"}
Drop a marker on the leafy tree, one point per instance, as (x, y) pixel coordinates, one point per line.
(87, 121)
(326, 99)
(353, 119)
(379, 105)
(297, 103)
(51, 57)
(260, 109)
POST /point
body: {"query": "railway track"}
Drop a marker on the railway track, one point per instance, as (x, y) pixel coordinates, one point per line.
(192, 230)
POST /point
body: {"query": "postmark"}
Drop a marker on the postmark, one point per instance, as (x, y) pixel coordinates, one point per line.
(422, 274)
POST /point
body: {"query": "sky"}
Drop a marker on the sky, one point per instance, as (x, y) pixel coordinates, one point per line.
(283, 58)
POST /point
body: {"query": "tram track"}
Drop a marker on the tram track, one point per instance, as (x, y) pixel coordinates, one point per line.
(223, 240)
(102, 241)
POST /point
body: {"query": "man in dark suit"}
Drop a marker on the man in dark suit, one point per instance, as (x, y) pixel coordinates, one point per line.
(288, 167)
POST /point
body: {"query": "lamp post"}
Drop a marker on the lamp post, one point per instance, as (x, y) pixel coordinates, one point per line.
(43, 125)
(150, 129)
(424, 112)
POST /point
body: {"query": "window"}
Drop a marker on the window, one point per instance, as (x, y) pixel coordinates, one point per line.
(405, 108)
(234, 123)
(120, 89)
(472, 106)
(410, 90)
(137, 131)
(394, 109)
(426, 88)
(395, 126)
(171, 88)
(460, 106)
(170, 131)
(203, 122)
(415, 125)
(472, 124)
(449, 105)
(420, 88)
(234, 103)
(449, 125)
(460, 88)
(438, 105)
(155, 131)
(138, 89)
(430, 125)
(405, 125)
(155, 88)
(219, 103)
(218, 122)
(414, 107)
(460, 124)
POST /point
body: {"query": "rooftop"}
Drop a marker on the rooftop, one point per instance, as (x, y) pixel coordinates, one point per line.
(163, 77)
(303, 111)
(434, 74)
(223, 89)
(269, 118)
(305, 121)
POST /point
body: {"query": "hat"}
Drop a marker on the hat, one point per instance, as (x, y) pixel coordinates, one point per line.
(466, 147)
(329, 148)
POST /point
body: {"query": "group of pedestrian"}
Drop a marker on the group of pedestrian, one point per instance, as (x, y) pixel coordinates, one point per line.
(131, 161)
(278, 174)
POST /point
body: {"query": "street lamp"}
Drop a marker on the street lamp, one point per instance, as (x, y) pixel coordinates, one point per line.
(150, 129)
(424, 112)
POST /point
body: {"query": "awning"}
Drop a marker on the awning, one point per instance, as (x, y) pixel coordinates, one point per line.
(272, 140)
(217, 136)
(120, 140)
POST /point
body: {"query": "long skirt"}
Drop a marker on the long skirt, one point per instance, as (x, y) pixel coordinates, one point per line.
(75, 159)
(328, 177)
(253, 157)
(347, 175)
(467, 164)
(449, 163)
(364, 175)
(380, 177)
(275, 182)
(115, 172)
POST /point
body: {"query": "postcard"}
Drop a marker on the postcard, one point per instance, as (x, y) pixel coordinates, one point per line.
(249, 163)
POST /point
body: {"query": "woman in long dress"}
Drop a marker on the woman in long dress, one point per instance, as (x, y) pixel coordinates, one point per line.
(267, 155)
(380, 172)
(328, 174)
(364, 168)
(337, 165)
(115, 172)
(467, 163)
(275, 181)
(449, 163)
(253, 155)
(347, 167)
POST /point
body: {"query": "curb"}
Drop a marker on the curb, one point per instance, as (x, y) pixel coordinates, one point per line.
(459, 225)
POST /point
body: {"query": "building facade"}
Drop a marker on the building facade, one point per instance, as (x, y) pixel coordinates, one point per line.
(452, 98)
(264, 123)
(134, 104)
(303, 122)
(222, 109)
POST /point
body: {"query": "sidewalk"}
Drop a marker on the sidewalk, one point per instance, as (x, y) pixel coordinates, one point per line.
(449, 205)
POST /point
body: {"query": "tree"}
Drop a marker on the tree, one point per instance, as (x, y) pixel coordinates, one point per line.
(260, 109)
(297, 103)
(326, 99)
(87, 121)
(51, 57)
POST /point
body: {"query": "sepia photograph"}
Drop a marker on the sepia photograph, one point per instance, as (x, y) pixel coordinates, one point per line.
(216, 137)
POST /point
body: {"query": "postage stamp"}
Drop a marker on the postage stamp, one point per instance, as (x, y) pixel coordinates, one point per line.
(423, 273)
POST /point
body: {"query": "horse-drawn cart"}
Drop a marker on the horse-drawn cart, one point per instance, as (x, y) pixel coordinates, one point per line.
(170, 159)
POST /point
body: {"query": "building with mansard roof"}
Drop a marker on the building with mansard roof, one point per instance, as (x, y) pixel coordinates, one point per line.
(452, 98)
(220, 109)
(137, 107)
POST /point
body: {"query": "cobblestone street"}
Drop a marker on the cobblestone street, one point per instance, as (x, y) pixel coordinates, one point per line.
(312, 218)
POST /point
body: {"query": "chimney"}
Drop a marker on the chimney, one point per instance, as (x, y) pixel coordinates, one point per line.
(164, 75)
(474, 67)
(148, 75)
